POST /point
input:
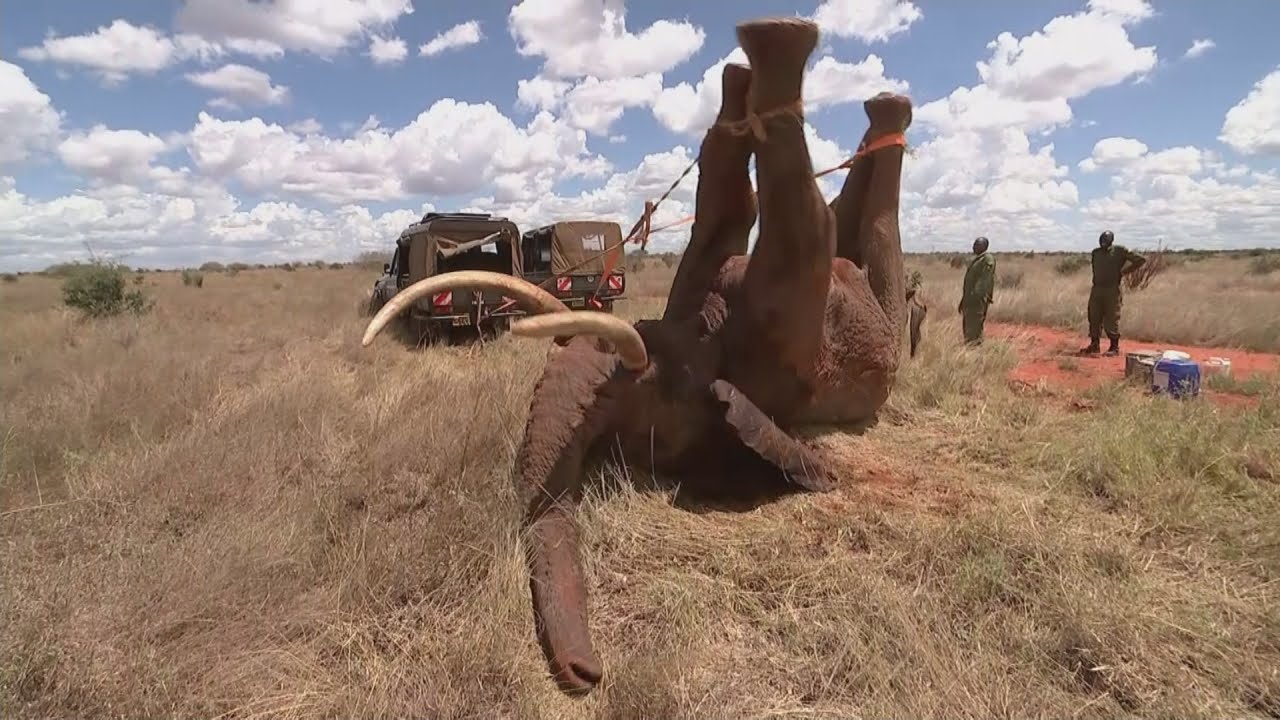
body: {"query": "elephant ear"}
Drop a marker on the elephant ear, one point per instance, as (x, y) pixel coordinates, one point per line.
(800, 464)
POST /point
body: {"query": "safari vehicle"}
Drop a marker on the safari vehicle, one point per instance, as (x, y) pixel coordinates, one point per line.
(568, 260)
(445, 242)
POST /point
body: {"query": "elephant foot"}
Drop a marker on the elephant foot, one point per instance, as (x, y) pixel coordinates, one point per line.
(778, 49)
(888, 113)
(735, 81)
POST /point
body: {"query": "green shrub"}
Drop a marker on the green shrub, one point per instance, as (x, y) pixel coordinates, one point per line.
(1071, 264)
(10, 277)
(212, 267)
(1264, 264)
(97, 289)
(193, 278)
(1009, 279)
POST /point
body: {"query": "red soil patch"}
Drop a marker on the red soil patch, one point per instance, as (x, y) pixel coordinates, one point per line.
(1045, 351)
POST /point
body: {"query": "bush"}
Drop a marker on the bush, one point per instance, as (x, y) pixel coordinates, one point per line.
(1264, 264)
(1009, 279)
(1071, 264)
(97, 289)
(1155, 265)
(10, 277)
(191, 277)
(212, 267)
(958, 261)
(914, 280)
(372, 260)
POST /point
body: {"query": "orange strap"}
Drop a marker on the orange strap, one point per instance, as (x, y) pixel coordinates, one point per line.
(879, 143)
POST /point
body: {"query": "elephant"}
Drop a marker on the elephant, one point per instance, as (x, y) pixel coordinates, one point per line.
(804, 329)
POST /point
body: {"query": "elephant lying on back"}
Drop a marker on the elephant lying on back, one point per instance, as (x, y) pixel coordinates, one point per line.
(805, 329)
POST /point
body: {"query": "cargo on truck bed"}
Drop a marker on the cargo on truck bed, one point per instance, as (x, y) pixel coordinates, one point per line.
(582, 262)
(445, 242)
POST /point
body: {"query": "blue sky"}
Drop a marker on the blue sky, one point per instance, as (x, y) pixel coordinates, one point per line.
(173, 133)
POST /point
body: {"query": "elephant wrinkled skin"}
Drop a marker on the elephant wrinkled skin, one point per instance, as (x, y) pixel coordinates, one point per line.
(805, 329)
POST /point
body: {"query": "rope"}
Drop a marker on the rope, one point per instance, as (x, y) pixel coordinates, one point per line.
(883, 141)
(754, 124)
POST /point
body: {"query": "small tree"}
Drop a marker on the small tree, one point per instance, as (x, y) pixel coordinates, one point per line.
(1156, 264)
(97, 289)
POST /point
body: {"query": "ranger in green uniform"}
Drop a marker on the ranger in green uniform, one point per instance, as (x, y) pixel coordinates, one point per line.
(1110, 263)
(979, 284)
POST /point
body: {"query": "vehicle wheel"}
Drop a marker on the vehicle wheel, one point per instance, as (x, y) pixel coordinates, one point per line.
(423, 333)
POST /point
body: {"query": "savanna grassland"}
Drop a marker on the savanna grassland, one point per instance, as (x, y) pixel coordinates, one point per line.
(225, 507)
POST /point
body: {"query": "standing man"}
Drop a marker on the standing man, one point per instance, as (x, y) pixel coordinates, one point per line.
(979, 284)
(1110, 263)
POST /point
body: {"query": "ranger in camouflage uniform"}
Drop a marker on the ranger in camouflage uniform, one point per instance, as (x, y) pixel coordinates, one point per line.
(979, 285)
(1110, 263)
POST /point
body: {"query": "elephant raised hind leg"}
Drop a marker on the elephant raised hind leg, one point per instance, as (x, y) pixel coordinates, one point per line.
(783, 288)
(725, 203)
(867, 305)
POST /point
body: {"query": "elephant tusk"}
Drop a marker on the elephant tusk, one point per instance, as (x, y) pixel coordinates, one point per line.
(620, 333)
(524, 291)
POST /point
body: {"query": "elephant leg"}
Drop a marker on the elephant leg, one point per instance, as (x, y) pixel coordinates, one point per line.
(878, 232)
(847, 207)
(725, 206)
(786, 280)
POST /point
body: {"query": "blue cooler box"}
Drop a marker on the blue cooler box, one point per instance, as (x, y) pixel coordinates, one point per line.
(1178, 378)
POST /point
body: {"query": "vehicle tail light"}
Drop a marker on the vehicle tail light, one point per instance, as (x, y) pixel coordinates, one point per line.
(443, 300)
(564, 284)
(616, 283)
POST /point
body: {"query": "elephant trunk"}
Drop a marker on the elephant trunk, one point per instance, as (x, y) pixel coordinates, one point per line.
(560, 601)
(571, 408)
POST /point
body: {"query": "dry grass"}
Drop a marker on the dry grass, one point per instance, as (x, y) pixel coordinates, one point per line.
(228, 509)
(1218, 301)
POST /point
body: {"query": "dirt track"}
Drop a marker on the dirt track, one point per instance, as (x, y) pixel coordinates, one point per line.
(1049, 357)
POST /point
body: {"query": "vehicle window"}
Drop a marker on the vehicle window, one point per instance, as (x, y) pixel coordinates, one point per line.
(397, 262)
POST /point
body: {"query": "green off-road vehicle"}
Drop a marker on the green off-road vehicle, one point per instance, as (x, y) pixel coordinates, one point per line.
(562, 258)
(569, 260)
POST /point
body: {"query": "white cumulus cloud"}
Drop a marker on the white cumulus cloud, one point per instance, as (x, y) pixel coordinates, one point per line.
(458, 36)
(29, 122)
(387, 51)
(1199, 47)
(867, 20)
(272, 28)
(115, 155)
(577, 38)
(115, 51)
(240, 85)
(1252, 126)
